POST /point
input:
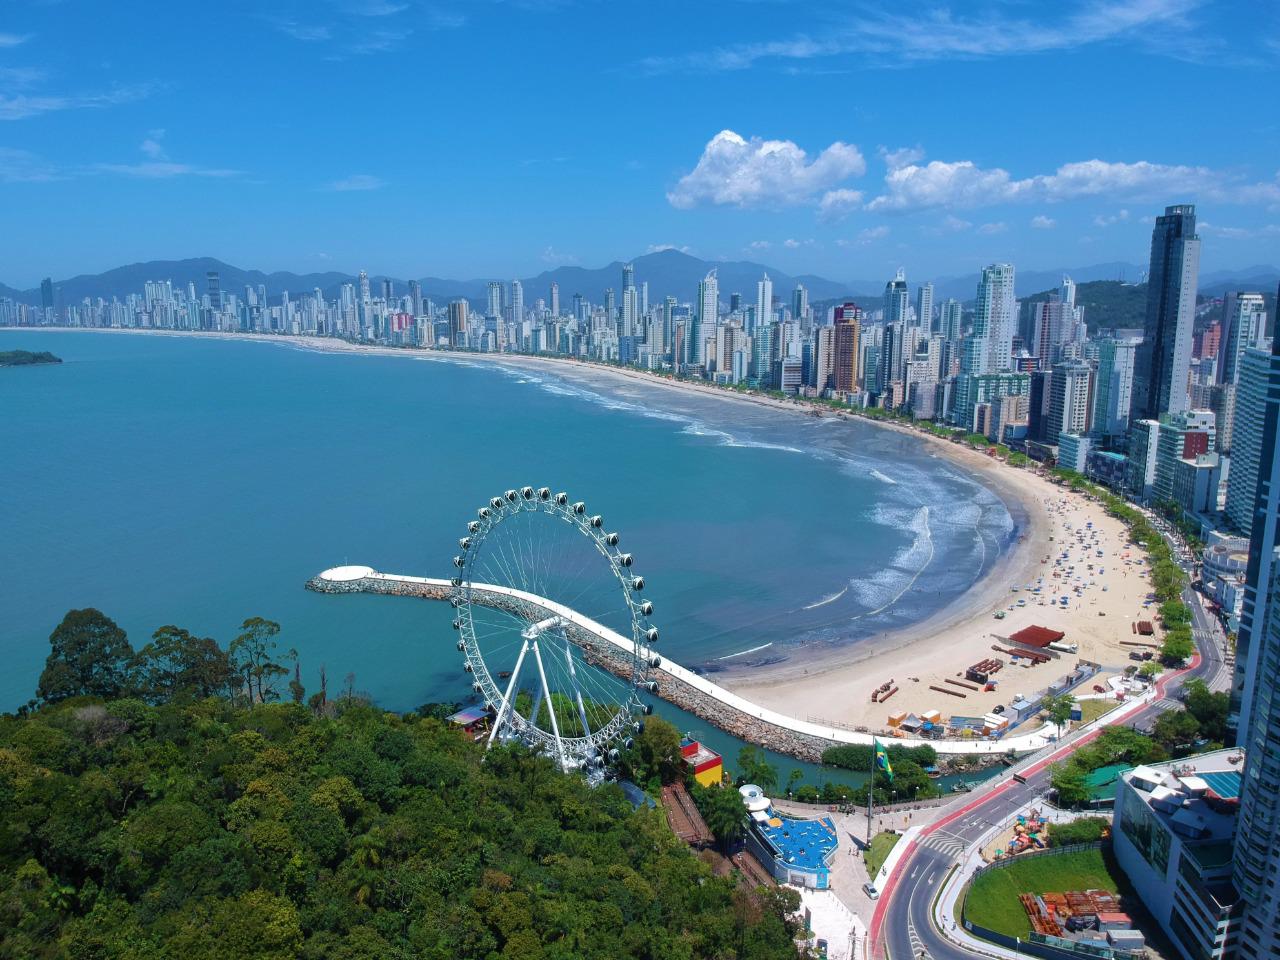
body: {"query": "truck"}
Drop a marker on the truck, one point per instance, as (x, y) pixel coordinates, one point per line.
(1064, 647)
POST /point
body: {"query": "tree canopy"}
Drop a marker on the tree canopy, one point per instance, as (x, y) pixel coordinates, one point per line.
(178, 825)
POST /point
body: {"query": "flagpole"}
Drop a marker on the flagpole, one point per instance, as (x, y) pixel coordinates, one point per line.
(871, 793)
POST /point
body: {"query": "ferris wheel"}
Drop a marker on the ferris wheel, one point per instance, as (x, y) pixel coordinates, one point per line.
(553, 627)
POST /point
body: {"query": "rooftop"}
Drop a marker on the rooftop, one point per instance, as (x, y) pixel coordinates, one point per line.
(805, 844)
(1194, 797)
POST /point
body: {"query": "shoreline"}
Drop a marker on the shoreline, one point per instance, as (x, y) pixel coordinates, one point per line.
(832, 684)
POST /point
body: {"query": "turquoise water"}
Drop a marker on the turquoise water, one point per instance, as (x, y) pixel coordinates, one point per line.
(200, 482)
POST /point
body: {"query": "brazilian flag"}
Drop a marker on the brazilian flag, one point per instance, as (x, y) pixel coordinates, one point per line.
(882, 759)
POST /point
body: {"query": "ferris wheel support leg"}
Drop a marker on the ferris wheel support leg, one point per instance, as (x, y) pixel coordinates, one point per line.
(551, 706)
(506, 697)
(573, 677)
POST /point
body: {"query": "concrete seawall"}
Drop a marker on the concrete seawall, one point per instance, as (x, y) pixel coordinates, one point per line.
(671, 687)
(803, 739)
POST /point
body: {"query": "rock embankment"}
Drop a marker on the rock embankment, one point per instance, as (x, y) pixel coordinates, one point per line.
(606, 655)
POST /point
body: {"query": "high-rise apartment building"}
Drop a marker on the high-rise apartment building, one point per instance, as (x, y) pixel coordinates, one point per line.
(493, 308)
(1255, 704)
(704, 317)
(458, 322)
(1113, 386)
(554, 299)
(1247, 433)
(800, 304)
(924, 307)
(995, 316)
(517, 302)
(1244, 321)
(896, 298)
(1164, 357)
(764, 304)
(950, 320)
(844, 374)
(1069, 394)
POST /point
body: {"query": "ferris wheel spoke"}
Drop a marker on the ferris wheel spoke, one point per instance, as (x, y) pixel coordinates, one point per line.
(553, 557)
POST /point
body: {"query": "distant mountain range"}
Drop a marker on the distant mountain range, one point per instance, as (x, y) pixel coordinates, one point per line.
(668, 272)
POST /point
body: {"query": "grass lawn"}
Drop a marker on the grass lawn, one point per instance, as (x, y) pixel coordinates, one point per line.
(881, 844)
(992, 901)
(1093, 709)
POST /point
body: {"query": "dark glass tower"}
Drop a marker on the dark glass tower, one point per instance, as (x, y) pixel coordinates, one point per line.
(1164, 356)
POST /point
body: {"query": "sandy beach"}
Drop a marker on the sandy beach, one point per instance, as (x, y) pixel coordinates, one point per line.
(1103, 578)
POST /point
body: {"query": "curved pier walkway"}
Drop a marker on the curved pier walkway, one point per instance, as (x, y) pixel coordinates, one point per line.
(686, 689)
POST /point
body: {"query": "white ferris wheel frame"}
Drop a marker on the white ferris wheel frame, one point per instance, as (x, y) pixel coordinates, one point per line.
(592, 750)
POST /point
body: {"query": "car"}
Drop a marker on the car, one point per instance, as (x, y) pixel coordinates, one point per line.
(870, 890)
(998, 709)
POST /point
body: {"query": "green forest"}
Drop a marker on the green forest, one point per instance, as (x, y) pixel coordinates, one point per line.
(25, 358)
(1108, 304)
(185, 801)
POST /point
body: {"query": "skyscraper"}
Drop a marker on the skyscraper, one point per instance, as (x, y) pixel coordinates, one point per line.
(844, 367)
(1256, 706)
(950, 322)
(1069, 400)
(896, 298)
(924, 307)
(213, 281)
(764, 303)
(800, 303)
(517, 302)
(1244, 320)
(1247, 431)
(1113, 389)
(555, 299)
(46, 294)
(995, 316)
(458, 322)
(1164, 356)
(704, 318)
(494, 306)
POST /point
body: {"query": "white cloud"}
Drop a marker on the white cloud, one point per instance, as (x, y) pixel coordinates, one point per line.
(1041, 222)
(963, 184)
(838, 204)
(152, 146)
(940, 184)
(771, 173)
(759, 245)
(901, 157)
(306, 32)
(163, 170)
(948, 224)
(990, 229)
(662, 247)
(872, 234)
(357, 181)
(552, 255)
(791, 244)
(20, 106)
(928, 31)
(9, 40)
(1107, 220)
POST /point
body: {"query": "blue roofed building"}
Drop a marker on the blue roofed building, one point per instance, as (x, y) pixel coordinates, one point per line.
(798, 852)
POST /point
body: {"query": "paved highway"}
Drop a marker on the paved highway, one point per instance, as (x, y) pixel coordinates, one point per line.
(902, 915)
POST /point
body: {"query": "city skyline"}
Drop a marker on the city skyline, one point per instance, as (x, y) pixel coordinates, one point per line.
(371, 133)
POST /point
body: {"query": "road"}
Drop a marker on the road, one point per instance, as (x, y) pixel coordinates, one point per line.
(903, 912)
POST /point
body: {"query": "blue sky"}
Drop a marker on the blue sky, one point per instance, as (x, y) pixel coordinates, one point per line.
(503, 137)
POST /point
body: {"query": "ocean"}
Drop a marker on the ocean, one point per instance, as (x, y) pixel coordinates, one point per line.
(198, 482)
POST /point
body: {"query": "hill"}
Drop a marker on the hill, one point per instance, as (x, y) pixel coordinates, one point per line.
(1108, 304)
(161, 821)
(668, 273)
